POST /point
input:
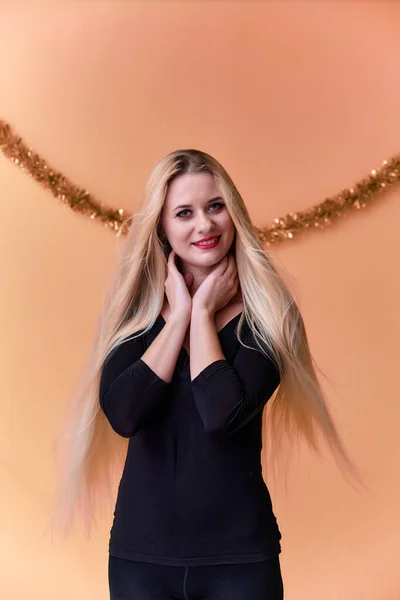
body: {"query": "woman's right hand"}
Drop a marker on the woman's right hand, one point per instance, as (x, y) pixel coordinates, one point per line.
(177, 289)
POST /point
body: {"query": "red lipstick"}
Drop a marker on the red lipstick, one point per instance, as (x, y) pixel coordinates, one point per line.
(205, 245)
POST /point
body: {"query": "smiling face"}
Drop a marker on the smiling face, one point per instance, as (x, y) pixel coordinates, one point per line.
(194, 209)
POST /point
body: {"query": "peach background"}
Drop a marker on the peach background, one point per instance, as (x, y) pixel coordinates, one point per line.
(298, 100)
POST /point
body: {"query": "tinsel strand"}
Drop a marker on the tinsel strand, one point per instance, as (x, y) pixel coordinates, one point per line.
(320, 216)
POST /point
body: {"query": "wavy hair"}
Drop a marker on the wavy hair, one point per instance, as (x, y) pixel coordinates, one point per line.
(89, 455)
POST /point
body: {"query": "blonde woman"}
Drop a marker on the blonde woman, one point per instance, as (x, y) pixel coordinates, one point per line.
(198, 334)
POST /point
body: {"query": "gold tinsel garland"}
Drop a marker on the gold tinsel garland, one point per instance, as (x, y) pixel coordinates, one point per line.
(319, 216)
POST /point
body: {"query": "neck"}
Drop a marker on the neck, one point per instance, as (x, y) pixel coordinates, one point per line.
(199, 274)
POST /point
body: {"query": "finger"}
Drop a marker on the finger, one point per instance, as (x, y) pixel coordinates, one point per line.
(223, 264)
(173, 266)
(231, 267)
(171, 259)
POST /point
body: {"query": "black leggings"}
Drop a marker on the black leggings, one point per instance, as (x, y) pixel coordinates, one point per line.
(134, 580)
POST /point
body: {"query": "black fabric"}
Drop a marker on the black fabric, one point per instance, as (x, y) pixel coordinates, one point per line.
(132, 580)
(192, 491)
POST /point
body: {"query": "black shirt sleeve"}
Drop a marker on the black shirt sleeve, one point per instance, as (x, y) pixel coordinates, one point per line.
(131, 393)
(227, 396)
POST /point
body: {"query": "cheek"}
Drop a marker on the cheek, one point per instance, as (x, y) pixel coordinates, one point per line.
(229, 228)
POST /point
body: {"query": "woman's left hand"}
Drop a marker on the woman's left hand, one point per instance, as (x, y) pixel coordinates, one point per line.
(218, 288)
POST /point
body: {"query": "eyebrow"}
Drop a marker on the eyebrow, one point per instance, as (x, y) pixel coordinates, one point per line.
(189, 205)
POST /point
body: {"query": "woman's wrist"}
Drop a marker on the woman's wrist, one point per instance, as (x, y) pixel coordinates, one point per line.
(177, 319)
(200, 311)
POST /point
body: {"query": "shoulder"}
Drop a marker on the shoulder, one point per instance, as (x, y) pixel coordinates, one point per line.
(125, 349)
(258, 341)
(133, 345)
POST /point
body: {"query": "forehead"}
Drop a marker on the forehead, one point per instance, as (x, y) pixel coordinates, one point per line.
(191, 188)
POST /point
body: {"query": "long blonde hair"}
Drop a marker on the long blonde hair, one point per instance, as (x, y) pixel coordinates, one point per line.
(89, 455)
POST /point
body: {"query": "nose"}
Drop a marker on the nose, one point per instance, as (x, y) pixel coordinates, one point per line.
(204, 224)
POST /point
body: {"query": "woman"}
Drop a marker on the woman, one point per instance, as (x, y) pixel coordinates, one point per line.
(195, 339)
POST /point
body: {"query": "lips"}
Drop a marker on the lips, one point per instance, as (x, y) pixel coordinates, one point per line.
(208, 245)
(211, 237)
(207, 241)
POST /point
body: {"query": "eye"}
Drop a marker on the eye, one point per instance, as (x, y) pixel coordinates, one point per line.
(179, 214)
(215, 203)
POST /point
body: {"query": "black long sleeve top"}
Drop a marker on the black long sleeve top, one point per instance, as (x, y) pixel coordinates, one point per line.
(192, 491)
